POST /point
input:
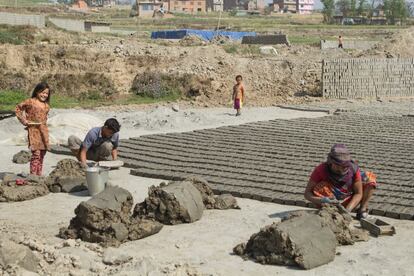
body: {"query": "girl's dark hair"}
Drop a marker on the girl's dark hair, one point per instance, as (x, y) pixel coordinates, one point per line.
(239, 76)
(39, 88)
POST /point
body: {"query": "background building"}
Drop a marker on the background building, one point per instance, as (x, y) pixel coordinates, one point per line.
(294, 6)
(305, 6)
(189, 6)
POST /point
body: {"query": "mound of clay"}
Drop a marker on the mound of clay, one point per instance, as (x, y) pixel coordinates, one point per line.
(22, 157)
(177, 202)
(14, 255)
(225, 201)
(305, 238)
(339, 221)
(192, 40)
(211, 201)
(106, 219)
(33, 186)
(205, 190)
(67, 177)
(301, 240)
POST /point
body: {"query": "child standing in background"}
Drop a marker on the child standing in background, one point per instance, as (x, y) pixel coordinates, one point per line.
(238, 94)
(340, 42)
(32, 113)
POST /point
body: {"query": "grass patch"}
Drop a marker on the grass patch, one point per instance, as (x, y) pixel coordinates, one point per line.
(244, 50)
(230, 49)
(17, 35)
(10, 98)
(310, 40)
(22, 3)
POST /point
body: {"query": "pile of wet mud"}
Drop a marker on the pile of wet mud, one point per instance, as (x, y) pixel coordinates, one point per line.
(181, 202)
(106, 219)
(305, 238)
(67, 177)
(15, 187)
(14, 256)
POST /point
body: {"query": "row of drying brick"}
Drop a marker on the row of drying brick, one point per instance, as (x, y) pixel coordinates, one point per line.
(396, 190)
(376, 208)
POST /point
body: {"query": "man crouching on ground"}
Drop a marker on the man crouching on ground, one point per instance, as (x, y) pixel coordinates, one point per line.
(339, 180)
(99, 144)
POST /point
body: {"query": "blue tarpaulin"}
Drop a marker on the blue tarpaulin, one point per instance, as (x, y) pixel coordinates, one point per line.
(204, 34)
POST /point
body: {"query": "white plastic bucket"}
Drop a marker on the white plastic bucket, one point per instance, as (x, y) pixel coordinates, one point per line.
(96, 179)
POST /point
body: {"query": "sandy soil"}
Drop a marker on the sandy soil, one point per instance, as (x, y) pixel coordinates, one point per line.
(200, 248)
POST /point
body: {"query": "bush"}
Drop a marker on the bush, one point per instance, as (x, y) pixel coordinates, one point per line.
(16, 34)
(233, 12)
(154, 85)
(92, 95)
(89, 85)
(160, 85)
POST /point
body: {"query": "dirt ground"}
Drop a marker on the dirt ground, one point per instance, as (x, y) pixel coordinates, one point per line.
(76, 64)
(200, 248)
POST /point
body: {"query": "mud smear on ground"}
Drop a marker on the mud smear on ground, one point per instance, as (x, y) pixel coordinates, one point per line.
(286, 243)
(31, 187)
(106, 219)
(181, 202)
(14, 257)
(68, 176)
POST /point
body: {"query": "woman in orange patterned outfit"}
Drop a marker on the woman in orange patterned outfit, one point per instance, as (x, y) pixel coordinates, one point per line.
(32, 113)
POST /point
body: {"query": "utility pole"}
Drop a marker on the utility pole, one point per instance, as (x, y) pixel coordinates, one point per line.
(137, 6)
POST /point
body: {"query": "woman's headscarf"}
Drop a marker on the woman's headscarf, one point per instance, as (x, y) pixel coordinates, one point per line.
(341, 156)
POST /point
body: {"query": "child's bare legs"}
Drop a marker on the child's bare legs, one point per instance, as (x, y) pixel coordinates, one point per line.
(238, 112)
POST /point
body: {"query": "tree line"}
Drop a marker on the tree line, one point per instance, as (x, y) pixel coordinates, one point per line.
(394, 10)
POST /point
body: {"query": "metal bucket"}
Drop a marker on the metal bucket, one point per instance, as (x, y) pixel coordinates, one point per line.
(96, 179)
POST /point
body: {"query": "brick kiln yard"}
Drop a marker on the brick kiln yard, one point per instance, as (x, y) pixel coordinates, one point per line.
(380, 138)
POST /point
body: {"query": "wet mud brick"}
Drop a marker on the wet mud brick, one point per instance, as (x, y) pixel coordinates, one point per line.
(279, 155)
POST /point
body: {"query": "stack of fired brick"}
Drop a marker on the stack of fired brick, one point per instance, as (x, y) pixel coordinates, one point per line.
(33, 186)
(106, 218)
(266, 39)
(305, 239)
(368, 78)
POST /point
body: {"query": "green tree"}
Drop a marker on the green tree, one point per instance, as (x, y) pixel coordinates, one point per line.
(328, 10)
(361, 7)
(395, 10)
(353, 7)
(344, 6)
